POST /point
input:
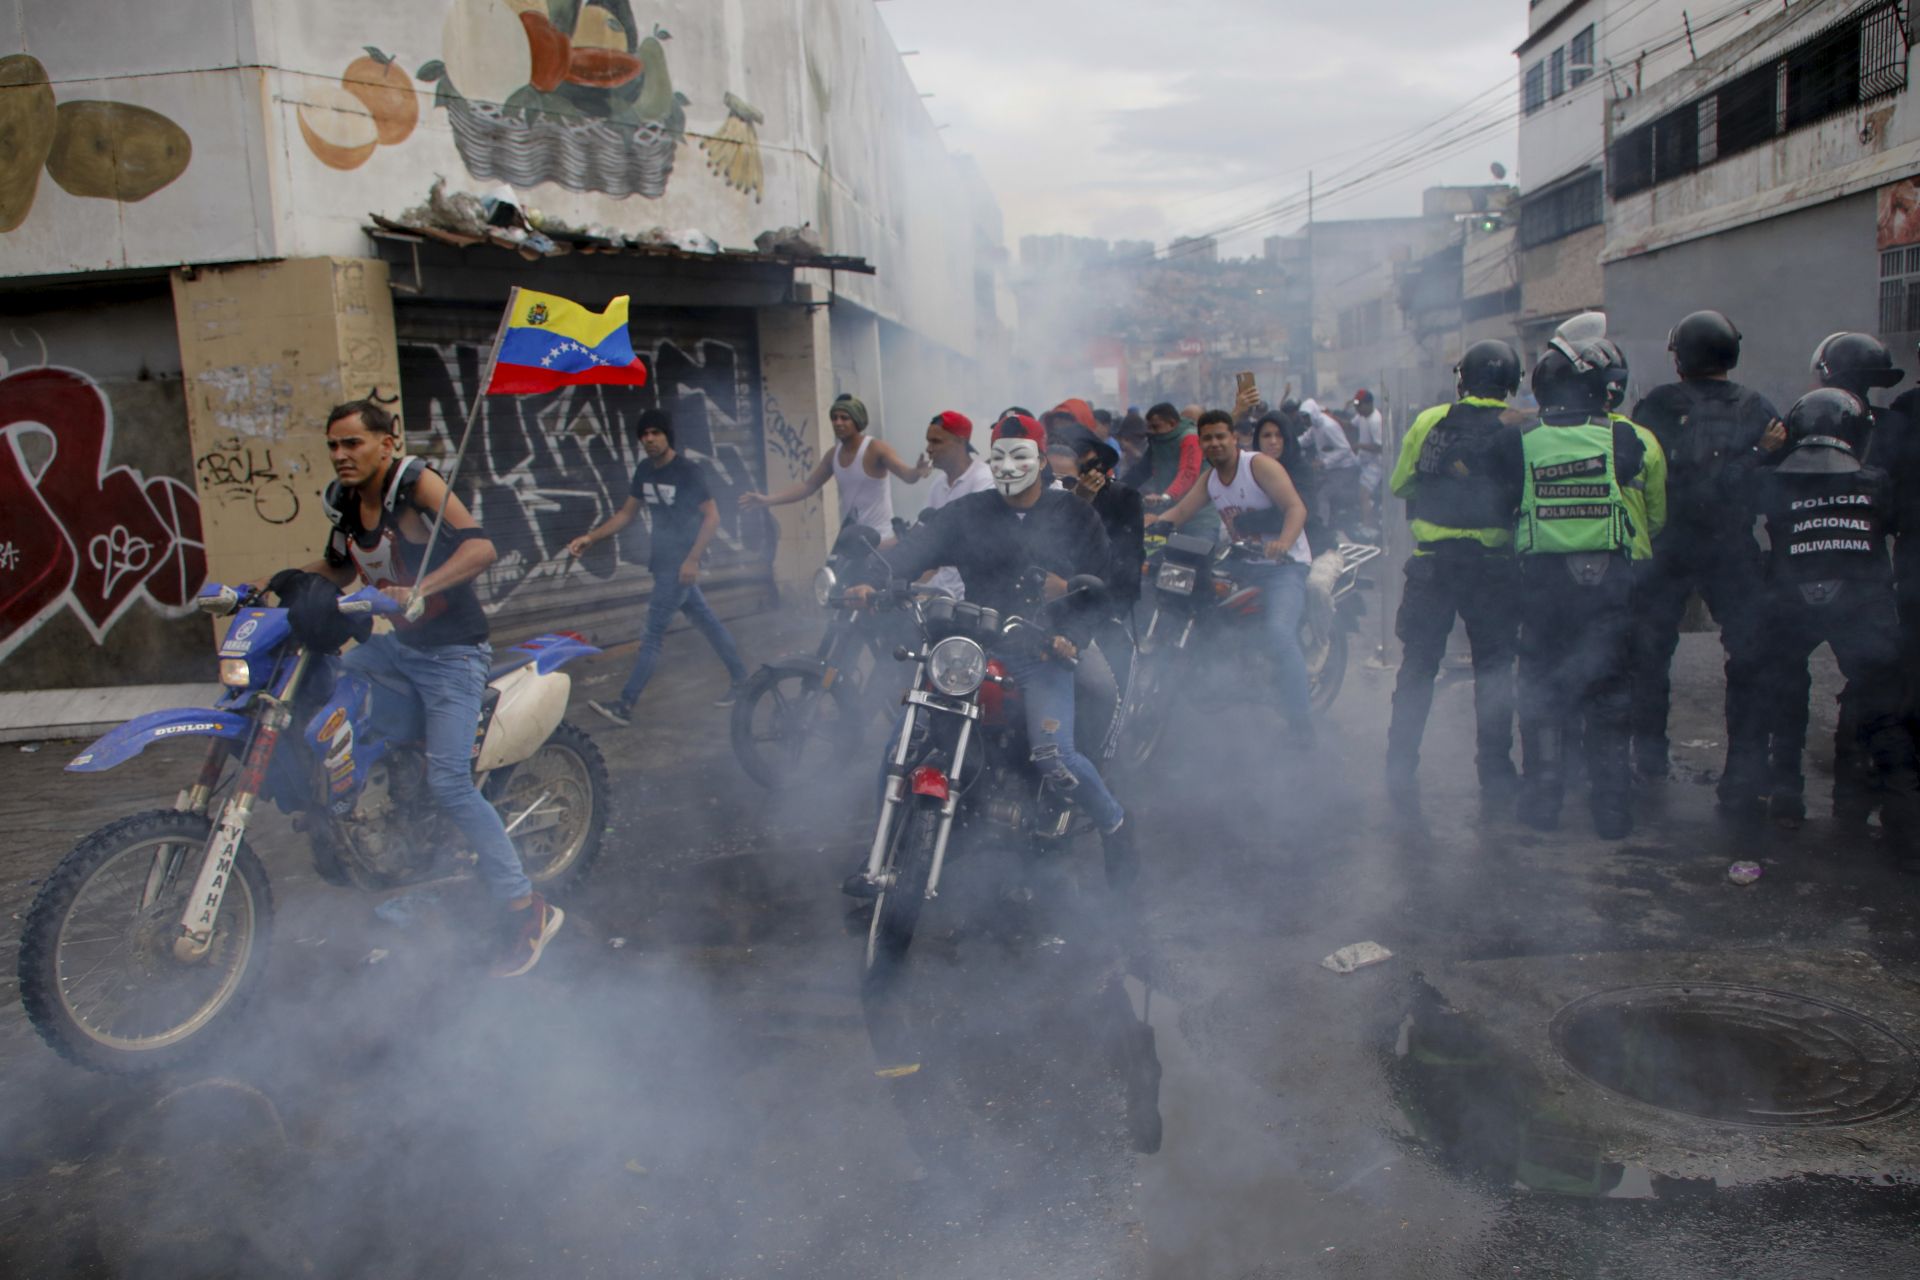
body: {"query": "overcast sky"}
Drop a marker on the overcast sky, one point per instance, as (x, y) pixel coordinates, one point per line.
(1148, 121)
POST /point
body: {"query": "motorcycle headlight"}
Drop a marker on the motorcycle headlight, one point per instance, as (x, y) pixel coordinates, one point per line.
(957, 666)
(824, 585)
(235, 674)
(1177, 578)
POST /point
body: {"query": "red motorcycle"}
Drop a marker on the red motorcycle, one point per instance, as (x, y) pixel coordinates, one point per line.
(958, 768)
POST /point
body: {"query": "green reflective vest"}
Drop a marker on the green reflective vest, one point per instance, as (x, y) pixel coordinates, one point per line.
(1570, 498)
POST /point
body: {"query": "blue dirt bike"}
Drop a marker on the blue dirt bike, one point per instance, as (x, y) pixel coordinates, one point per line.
(154, 930)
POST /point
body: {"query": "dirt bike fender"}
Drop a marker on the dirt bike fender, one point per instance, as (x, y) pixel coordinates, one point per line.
(124, 743)
(555, 649)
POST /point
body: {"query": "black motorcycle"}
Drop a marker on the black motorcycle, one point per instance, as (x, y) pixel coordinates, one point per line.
(958, 765)
(1206, 633)
(810, 709)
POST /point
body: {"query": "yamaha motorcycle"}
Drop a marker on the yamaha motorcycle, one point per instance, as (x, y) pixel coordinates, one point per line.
(959, 768)
(1207, 621)
(153, 931)
(805, 709)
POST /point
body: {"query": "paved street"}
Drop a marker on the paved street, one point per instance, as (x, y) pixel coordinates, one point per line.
(690, 1085)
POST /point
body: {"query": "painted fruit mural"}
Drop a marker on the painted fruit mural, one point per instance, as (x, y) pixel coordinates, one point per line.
(594, 108)
(97, 150)
(374, 105)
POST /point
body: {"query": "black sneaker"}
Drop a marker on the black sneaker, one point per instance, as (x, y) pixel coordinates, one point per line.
(618, 712)
(732, 694)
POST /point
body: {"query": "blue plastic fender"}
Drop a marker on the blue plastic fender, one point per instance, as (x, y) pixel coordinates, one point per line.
(554, 650)
(124, 743)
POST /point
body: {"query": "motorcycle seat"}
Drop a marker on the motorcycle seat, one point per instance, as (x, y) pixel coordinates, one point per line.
(510, 661)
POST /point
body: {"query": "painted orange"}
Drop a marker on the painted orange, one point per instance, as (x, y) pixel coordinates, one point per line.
(602, 68)
(552, 51)
(338, 127)
(379, 81)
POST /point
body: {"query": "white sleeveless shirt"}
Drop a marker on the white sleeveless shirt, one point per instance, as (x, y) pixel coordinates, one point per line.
(1245, 494)
(864, 499)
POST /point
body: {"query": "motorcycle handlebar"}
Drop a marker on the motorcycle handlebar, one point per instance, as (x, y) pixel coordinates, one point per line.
(370, 600)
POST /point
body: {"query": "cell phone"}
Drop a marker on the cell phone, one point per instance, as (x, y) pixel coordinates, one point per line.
(1243, 382)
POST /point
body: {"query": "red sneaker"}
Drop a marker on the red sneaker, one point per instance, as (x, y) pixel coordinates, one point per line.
(528, 933)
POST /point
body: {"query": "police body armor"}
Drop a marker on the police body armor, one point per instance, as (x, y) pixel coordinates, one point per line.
(1827, 526)
(1570, 499)
(1443, 497)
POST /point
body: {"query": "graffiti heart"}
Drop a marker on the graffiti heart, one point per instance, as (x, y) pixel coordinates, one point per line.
(75, 533)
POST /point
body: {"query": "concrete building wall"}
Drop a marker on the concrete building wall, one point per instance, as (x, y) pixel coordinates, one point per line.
(1787, 283)
(1562, 276)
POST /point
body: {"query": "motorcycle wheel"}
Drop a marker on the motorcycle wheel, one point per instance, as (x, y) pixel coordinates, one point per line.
(1148, 711)
(896, 911)
(97, 971)
(786, 724)
(1324, 680)
(558, 795)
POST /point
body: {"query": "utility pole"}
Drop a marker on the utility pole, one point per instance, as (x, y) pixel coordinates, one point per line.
(1309, 384)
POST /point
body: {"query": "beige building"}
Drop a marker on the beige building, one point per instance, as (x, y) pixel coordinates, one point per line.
(230, 215)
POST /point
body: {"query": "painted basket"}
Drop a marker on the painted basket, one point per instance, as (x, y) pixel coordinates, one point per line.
(580, 155)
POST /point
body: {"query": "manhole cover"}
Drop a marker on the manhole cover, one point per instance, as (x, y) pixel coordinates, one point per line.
(1740, 1054)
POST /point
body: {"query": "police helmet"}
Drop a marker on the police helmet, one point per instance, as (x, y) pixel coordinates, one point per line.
(1704, 343)
(1571, 377)
(1489, 368)
(1828, 414)
(1854, 361)
(1616, 373)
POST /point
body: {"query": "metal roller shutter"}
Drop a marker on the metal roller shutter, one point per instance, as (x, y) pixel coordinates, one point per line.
(544, 469)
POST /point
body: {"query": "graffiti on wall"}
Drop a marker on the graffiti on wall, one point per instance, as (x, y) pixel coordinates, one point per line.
(241, 472)
(75, 533)
(98, 150)
(545, 469)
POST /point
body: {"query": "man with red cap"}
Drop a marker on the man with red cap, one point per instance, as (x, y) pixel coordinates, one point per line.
(993, 540)
(957, 472)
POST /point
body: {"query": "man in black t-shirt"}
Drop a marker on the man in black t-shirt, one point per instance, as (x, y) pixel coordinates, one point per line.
(683, 517)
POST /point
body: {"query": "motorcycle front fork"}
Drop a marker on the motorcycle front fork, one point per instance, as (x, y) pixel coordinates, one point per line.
(216, 863)
(878, 873)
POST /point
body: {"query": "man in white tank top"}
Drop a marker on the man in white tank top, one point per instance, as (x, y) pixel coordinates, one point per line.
(859, 466)
(1258, 503)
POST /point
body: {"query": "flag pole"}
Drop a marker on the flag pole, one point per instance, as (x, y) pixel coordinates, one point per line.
(417, 603)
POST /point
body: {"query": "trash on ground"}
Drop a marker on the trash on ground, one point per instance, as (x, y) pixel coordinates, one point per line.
(634, 1166)
(616, 943)
(31, 747)
(1357, 956)
(378, 954)
(1744, 872)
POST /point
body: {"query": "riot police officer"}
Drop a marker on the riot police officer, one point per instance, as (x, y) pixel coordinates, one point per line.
(1568, 478)
(1462, 565)
(1706, 424)
(1828, 578)
(1859, 363)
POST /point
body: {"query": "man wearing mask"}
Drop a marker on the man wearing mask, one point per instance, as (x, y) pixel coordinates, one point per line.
(993, 539)
(1705, 424)
(1123, 516)
(1171, 467)
(859, 466)
(1462, 566)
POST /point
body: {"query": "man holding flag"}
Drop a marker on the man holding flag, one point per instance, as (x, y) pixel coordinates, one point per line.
(389, 514)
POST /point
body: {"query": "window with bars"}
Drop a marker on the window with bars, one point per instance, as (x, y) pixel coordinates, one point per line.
(1557, 72)
(1900, 290)
(1533, 91)
(1856, 60)
(1580, 56)
(1562, 211)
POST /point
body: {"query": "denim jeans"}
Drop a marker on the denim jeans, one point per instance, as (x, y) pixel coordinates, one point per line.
(448, 681)
(669, 598)
(1047, 687)
(1285, 586)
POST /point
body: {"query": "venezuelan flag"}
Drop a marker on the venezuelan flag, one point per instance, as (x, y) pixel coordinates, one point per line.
(550, 343)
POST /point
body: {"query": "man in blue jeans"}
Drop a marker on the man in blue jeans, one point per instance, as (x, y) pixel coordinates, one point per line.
(382, 505)
(1258, 504)
(683, 518)
(994, 540)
